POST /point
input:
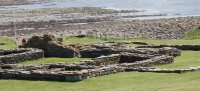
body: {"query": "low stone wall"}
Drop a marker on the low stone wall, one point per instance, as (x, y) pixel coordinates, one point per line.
(116, 58)
(9, 66)
(59, 74)
(108, 60)
(139, 55)
(20, 55)
(105, 70)
(127, 59)
(72, 67)
(140, 43)
(73, 72)
(104, 65)
(170, 51)
(93, 53)
(181, 47)
(160, 60)
(133, 57)
(149, 69)
(134, 42)
(41, 75)
(11, 51)
(58, 50)
(102, 60)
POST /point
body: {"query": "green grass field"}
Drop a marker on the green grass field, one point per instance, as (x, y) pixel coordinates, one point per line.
(132, 81)
(193, 34)
(87, 40)
(8, 43)
(188, 59)
(128, 81)
(84, 40)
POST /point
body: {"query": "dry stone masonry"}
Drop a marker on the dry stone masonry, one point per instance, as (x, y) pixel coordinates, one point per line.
(181, 47)
(12, 56)
(103, 65)
(149, 69)
(107, 58)
(51, 46)
(150, 62)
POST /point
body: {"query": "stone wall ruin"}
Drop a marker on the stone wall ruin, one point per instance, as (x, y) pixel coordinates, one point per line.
(51, 46)
(107, 58)
(12, 56)
(156, 70)
(85, 69)
(180, 47)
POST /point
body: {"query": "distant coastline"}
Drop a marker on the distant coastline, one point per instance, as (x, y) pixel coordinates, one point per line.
(22, 2)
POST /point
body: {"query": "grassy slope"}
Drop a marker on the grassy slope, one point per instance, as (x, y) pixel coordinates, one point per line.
(188, 59)
(8, 43)
(194, 34)
(132, 81)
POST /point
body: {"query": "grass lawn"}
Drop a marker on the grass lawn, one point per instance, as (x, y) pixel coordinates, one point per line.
(193, 34)
(187, 59)
(84, 40)
(128, 81)
(8, 43)
(132, 81)
(87, 40)
(54, 60)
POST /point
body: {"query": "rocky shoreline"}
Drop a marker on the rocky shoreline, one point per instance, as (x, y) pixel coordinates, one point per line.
(93, 21)
(21, 2)
(171, 28)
